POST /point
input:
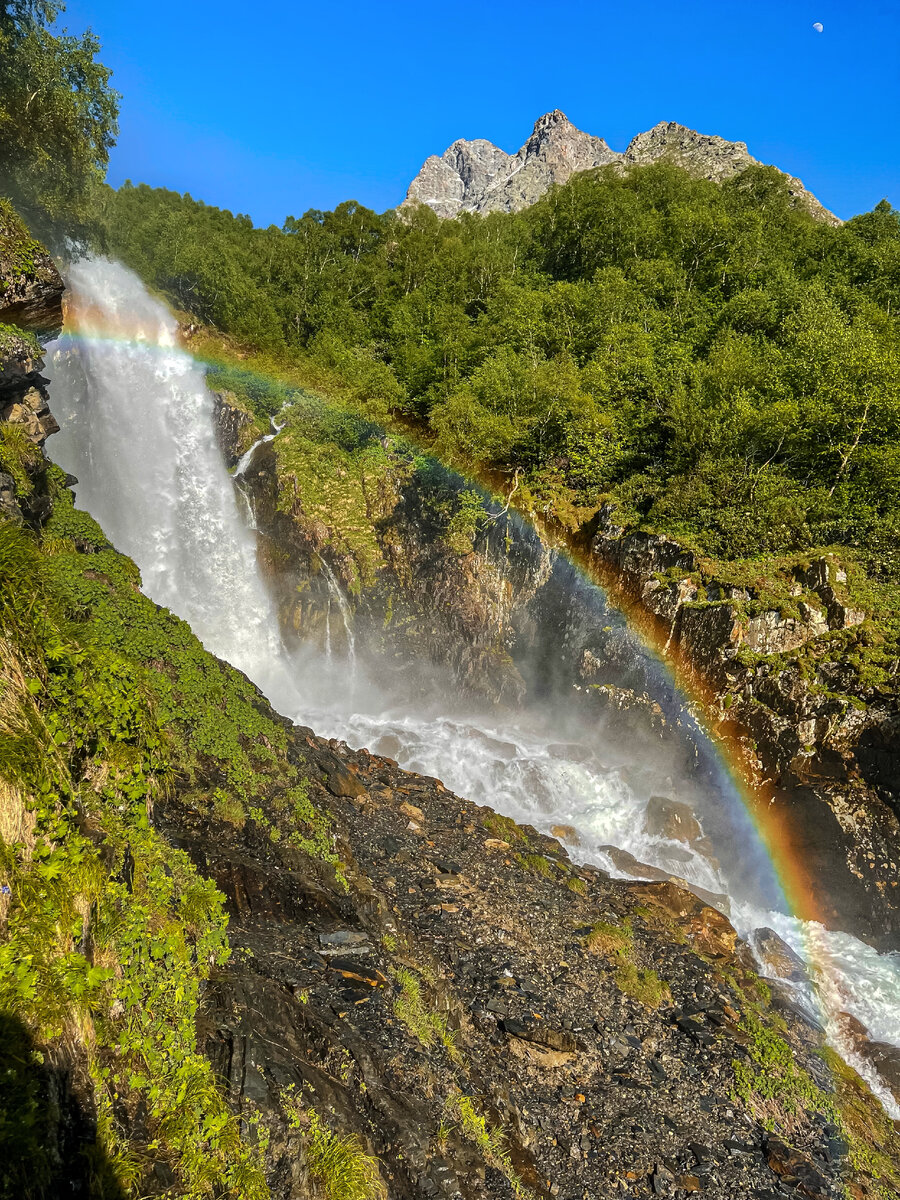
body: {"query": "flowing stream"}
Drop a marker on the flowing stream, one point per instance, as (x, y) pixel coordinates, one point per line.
(137, 429)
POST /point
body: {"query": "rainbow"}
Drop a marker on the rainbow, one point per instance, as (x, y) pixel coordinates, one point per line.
(765, 819)
(756, 815)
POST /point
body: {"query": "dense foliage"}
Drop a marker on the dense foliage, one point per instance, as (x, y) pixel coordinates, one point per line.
(107, 933)
(57, 116)
(711, 356)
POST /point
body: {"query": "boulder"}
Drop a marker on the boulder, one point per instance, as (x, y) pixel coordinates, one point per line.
(776, 956)
(338, 777)
(705, 927)
(671, 819)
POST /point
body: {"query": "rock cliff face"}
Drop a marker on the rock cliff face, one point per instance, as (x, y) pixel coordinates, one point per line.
(32, 290)
(822, 743)
(25, 423)
(236, 427)
(478, 177)
(30, 303)
(710, 157)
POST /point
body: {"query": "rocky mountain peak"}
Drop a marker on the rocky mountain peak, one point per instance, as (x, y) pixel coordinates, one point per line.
(551, 119)
(477, 176)
(710, 157)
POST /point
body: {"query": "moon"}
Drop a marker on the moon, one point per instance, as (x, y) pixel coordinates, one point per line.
(818, 26)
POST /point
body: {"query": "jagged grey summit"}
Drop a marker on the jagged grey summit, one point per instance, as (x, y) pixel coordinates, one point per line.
(477, 176)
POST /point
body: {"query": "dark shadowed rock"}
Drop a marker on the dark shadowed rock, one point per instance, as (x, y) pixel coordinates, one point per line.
(234, 425)
(339, 779)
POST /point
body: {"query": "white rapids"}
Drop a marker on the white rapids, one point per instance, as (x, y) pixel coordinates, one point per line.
(137, 429)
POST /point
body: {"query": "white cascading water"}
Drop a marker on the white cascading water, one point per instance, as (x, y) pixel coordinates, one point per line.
(335, 590)
(137, 429)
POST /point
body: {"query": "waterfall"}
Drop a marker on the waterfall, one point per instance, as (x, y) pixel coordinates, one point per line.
(137, 430)
(335, 590)
(245, 459)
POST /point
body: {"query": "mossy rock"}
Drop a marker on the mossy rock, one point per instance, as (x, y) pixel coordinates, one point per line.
(31, 288)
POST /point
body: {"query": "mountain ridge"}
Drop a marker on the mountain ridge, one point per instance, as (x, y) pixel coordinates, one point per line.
(477, 176)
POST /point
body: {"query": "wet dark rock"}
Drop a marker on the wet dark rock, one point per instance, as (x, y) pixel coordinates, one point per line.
(343, 940)
(796, 1170)
(663, 1181)
(234, 426)
(884, 1057)
(777, 957)
(339, 779)
(672, 819)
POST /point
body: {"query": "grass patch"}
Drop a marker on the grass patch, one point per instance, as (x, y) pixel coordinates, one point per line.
(610, 940)
(645, 986)
(616, 943)
(228, 808)
(489, 1140)
(19, 456)
(425, 1024)
(339, 1163)
(536, 863)
(504, 828)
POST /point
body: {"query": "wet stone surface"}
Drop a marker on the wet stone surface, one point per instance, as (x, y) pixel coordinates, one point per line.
(596, 1022)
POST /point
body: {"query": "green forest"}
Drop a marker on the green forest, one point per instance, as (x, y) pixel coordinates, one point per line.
(722, 365)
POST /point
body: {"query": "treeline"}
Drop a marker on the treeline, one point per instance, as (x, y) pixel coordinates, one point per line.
(58, 119)
(719, 362)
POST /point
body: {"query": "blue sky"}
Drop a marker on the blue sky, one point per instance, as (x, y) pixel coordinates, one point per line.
(272, 108)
